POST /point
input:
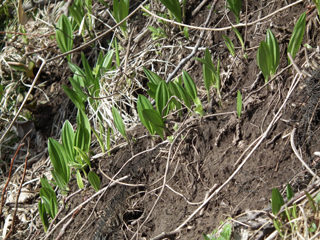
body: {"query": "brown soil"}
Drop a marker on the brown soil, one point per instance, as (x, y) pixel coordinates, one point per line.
(206, 151)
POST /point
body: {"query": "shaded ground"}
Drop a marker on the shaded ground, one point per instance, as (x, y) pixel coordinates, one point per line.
(206, 151)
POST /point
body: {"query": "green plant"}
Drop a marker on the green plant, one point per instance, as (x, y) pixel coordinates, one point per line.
(317, 3)
(157, 33)
(211, 75)
(276, 203)
(64, 35)
(192, 92)
(235, 7)
(48, 204)
(73, 152)
(174, 8)
(240, 38)
(225, 234)
(229, 45)
(118, 122)
(268, 55)
(120, 12)
(80, 17)
(297, 36)
(239, 104)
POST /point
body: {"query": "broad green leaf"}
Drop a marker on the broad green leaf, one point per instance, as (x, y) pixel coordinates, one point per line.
(208, 75)
(43, 216)
(83, 120)
(144, 103)
(107, 61)
(239, 103)
(155, 120)
(64, 35)
(264, 59)
(75, 98)
(152, 77)
(81, 138)
(79, 75)
(274, 50)
(174, 92)
(79, 180)
(83, 156)
(183, 94)
(61, 182)
(174, 7)
(297, 36)
(290, 193)
(235, 7)
(53, 206)
(162, 98)
(189, 85)
(58, 157)
(67, 137)
(77, 89)
(94, 180)
(119, 122)
(44, 183)
(229, 45)
(276, 201)
(153, 89)
(154, 117)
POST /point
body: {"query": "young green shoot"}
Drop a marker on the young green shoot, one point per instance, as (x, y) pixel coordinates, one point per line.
(120, 12)
(229, 45)
(297, 36)
(268, 55)
(64, 35)
(235, 7)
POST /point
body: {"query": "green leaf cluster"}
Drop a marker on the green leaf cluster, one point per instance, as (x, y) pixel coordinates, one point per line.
(73, 152)
(162, 92)
(64, 35)
(48, 204)
(86, 83)
(235, 7)
(297, 36)
(157, 33)
(77, 11)
(268, 55)
(211, 74)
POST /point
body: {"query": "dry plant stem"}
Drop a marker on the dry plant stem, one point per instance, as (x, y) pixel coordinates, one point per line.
(25, 99)
(299, 157)
(225, 28)
(194, 12)
(262, 137)
(8, 180)
(296, 66)
(97, 38)
(19, 191)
